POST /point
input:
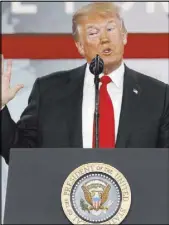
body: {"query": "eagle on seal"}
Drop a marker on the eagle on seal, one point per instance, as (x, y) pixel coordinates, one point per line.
(96, 199)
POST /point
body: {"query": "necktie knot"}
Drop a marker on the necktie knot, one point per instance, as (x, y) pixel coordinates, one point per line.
(105, 80)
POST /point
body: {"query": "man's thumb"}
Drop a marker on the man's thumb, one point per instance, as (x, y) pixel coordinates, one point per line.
(15, 89)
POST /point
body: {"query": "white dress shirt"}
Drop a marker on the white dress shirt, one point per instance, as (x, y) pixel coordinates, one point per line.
(115, 90)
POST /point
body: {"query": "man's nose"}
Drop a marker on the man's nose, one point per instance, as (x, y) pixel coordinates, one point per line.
(104, 38)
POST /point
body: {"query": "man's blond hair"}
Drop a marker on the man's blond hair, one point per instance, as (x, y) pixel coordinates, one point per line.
(101, 8)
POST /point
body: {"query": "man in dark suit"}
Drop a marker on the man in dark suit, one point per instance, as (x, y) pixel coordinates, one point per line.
(134, 108)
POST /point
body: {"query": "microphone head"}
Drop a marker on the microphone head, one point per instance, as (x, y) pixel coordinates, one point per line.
(96, 66)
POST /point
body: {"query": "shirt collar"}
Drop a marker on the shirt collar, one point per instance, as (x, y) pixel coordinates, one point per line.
(116, 76)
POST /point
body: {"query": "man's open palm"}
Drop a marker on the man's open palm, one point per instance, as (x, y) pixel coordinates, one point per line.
(7, 92)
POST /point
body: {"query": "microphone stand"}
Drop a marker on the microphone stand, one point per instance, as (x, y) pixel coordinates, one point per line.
(96, 67)
(96, 114)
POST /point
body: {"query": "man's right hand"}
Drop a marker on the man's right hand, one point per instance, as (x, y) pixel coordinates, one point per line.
(7, 92)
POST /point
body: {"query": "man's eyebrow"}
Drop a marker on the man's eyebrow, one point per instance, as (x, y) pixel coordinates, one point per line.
(111, 21)
(91, 26)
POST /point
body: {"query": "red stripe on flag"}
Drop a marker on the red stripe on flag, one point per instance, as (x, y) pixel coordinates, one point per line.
(61, 46)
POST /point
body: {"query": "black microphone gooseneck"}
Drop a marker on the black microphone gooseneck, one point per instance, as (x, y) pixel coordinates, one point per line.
(96, 67)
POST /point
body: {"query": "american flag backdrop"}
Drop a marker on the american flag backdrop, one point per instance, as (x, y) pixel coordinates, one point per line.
(37, 36)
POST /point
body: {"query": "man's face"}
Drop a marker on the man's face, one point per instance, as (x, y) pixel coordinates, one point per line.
(102, 35)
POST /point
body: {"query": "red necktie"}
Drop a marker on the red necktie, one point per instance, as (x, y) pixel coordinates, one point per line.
(106, 118)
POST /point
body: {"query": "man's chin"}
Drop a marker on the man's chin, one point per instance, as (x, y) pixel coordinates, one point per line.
(109, 62)
(110, 65)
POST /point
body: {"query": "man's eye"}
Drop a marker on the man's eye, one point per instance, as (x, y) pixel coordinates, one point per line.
(91, 34)
(110, 29)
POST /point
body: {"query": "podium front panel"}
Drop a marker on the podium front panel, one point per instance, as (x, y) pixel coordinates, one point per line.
(36, 177)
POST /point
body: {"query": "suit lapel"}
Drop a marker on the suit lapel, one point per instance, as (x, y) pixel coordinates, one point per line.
(129, 112)
(75, 106)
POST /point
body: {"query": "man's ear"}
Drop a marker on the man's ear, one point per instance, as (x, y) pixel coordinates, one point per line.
(125, 38)
(80, 48)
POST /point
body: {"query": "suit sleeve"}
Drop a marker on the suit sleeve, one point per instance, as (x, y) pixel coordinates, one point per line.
(24, 133)
(163, 141)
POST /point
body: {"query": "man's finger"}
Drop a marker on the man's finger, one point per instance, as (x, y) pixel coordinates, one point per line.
(9, 67)
(2, 64)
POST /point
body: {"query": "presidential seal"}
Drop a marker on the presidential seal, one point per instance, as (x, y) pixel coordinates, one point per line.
(96, 193)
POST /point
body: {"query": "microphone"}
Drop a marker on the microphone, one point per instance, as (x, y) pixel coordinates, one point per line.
(96, 68)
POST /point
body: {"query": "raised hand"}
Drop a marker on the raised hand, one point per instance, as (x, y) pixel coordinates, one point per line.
(7, 92)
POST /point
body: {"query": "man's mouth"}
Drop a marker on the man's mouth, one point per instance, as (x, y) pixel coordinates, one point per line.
(107, 51)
